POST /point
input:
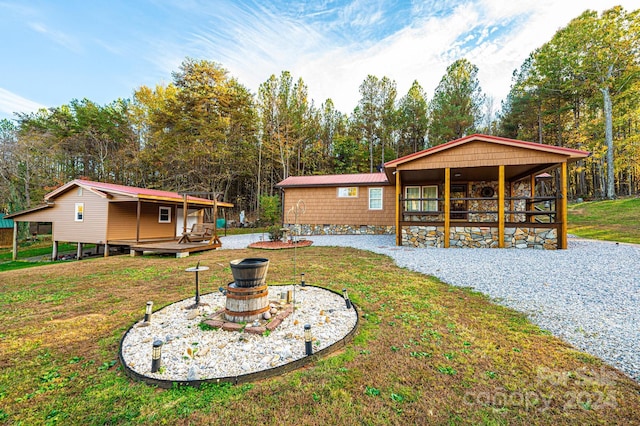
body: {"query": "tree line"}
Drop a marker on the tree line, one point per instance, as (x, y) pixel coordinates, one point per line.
(205, 131)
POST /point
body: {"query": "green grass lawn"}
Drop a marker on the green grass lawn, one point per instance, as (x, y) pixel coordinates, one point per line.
(611, 220)
(426, 352)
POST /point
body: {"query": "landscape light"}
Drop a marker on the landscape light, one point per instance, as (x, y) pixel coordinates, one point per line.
(302, 283)
(148, 312)
(307, 340)
(156, 356)
(346, 298)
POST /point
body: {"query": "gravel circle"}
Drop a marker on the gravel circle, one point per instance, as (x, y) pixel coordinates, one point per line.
(190, 353)
(587, 295)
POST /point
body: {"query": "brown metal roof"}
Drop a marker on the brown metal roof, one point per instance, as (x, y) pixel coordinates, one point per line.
(359, 179)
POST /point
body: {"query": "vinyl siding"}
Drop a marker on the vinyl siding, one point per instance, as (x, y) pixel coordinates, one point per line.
(93, 228)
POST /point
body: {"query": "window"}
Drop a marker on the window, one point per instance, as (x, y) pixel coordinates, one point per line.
(430, 191)
(165, 215)
(79, 212)
(350, 192)
(413, 194)
(375, 198)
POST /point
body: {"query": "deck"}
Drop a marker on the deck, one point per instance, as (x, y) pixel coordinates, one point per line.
(137, 248)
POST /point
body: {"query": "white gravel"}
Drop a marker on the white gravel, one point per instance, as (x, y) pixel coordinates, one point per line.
(190, 353)
(588, 295)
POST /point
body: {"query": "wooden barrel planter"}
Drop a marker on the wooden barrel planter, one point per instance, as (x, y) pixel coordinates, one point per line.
(246, 304)
(248, 295)
(250, 272)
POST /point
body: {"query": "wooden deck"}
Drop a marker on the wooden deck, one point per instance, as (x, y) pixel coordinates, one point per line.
(137, 248)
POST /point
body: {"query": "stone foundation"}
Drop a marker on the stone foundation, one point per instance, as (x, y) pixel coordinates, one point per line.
(480, 237)
(536, 238)
(340, 229)
(423, 236)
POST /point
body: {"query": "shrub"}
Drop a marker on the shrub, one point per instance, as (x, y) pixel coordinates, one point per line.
(275, 233)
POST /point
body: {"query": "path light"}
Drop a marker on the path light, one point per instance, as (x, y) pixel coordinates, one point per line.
(147, 313)
(302, 283)
(346, 298)
(156, 356)
(308, 348)
(283, 297)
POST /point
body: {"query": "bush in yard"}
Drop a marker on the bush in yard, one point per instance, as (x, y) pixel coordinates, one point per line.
(275, 233)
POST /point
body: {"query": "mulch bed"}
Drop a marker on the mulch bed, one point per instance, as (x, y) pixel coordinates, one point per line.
(279, 245)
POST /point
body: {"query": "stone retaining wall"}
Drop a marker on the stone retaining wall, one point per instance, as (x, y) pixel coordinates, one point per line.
(480, 237)
(341, 229)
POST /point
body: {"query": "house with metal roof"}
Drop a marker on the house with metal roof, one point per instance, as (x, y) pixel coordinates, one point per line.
(476, 191)
(106, 214)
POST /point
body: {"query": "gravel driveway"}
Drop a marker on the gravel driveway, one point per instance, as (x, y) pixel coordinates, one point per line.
(588, 295)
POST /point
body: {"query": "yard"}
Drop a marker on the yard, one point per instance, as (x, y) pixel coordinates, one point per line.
(426, 353)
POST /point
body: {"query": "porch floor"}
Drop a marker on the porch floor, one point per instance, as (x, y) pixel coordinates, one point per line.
(137, 248)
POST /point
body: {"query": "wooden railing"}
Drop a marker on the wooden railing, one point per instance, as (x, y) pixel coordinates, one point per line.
(534, 210)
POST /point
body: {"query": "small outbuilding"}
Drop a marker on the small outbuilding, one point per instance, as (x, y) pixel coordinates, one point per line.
(6, 231)
(106, 214)
(477, 191)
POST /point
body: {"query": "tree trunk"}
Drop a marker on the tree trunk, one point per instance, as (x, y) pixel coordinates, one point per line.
(608, 136)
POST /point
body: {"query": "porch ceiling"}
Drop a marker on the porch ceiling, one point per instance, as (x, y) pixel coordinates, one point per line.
(467, 174)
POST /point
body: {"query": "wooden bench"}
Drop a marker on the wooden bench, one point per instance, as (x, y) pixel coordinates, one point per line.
(200, 232)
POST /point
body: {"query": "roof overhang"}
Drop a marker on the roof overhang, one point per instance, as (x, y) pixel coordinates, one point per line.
(28, 211)
(458, 155)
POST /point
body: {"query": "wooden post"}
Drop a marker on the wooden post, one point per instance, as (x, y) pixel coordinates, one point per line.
(138, 214)
(562, 238)
(447, 205)
(214, 238)
(14, 255)
(398, 209)
(501, 188)
(185, 211)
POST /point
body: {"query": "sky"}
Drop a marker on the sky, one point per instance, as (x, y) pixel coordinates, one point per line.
(54, 51)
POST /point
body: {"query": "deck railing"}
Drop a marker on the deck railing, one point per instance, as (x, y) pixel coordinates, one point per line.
(540, 210)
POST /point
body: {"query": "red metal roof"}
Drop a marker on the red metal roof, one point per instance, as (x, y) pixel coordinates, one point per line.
(335, 180)
(569, 152)
(132, 191)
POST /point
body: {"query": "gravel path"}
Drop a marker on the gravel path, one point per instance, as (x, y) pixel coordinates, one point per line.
(588, 295)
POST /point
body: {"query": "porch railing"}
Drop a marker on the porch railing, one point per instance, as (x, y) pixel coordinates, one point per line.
(540, 210)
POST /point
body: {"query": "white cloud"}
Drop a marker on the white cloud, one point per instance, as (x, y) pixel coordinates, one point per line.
(58, 37)
(11, 102)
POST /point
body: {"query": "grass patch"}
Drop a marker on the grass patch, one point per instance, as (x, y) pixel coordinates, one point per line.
(610, 220)
(426, 353)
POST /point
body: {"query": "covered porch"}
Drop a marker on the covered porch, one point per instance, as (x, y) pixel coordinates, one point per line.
(483, 191)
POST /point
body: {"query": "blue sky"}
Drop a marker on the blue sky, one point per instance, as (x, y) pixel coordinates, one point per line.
(54, 51)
